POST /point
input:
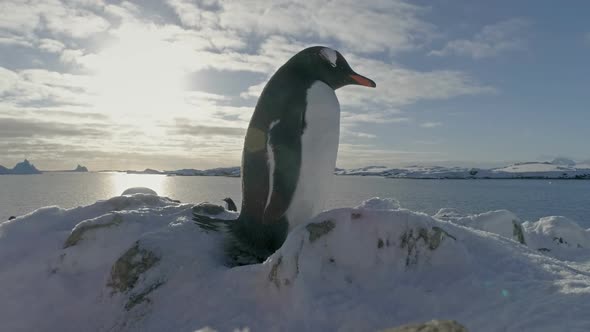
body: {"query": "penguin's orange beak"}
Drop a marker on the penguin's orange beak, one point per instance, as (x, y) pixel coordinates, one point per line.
(361, 80)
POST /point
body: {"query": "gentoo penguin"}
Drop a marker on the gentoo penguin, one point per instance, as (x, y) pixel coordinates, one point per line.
(231, 206)
(290, 151)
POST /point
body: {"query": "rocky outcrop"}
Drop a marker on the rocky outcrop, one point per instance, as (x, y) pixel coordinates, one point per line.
(82, 228)
(24, 167)
(432, 326)
(80, 168)
(128, 269)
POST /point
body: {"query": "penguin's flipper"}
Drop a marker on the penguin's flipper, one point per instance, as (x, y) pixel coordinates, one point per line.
(287, 161)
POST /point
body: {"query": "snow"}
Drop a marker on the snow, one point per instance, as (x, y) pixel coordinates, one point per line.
(139, 263)
(557, 169)
(501, 222)
(139, 190)
(220, 171)
(558, 235)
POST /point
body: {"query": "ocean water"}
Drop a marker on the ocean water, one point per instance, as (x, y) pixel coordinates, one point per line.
(529, 199)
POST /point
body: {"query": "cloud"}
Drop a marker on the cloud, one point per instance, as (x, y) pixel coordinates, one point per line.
(397, 86)
(381, 25)
(375, 117)
(12, 40)
(183, 127)
(492, 40)
(100, 78)
(74, 20)
(351, 135)
(431, 124)
(40, 86)
(25, 128)
(357, 155)
(51, 45)
(70, 113)
(428, 142)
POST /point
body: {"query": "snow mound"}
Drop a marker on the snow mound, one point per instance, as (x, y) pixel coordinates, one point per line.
(501, 222)
(139, 190)
(377, 203)
(555, 233)
(139, 263)
(558, 169)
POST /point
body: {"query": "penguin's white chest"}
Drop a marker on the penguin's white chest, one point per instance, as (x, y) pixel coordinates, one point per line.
(319, 149)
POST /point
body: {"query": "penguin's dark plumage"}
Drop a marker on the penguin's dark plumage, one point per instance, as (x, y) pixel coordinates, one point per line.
(289, 150)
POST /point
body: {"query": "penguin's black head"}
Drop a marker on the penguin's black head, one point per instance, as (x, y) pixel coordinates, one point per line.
(329, 66)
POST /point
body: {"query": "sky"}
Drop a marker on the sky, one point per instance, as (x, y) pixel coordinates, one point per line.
(172, 84)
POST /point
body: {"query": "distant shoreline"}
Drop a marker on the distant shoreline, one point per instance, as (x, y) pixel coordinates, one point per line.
(348, 175)
(558, 169)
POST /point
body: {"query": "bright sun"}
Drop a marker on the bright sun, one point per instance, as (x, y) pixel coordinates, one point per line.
(138, 76)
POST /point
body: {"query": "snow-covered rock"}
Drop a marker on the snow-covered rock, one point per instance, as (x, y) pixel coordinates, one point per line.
(139, 190)
(501, 222)
(560, 168)
(377, 203)
(556, 233)
(432, 326)
(220, 171)
(146, 171)
(139, 263)
(563, 161)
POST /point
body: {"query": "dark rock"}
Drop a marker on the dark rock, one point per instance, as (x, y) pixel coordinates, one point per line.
(430, 239)
(25, 167)
(273, 276)
(127, 269)
(81, 168)
(432, 326)
(317, 230)
(78, 232)
(207, 208)
(518, 233)
(141, 297)
(11, 217)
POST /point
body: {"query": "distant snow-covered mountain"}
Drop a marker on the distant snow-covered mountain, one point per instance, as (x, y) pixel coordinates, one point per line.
(220, 171)
(558, 169)
(78, 169)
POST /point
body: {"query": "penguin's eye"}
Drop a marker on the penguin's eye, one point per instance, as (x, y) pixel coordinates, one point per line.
(333, 64)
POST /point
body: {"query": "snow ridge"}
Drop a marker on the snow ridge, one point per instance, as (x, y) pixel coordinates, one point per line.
(139, 263)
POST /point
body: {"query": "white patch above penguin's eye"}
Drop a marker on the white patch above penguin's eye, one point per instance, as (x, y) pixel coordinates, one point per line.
(330, 55)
